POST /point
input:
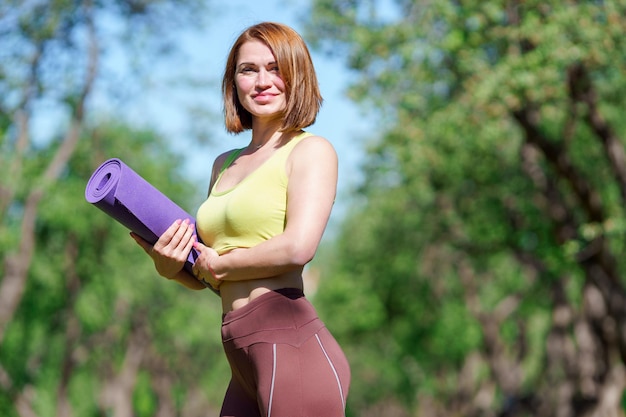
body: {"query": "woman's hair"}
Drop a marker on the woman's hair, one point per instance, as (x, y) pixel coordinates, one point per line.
(296, 70)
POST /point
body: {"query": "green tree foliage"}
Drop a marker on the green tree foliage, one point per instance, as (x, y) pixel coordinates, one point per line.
(98, 332)
(480, 271)
(86, 327)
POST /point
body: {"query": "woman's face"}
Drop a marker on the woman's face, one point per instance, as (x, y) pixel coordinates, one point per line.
(260, 89)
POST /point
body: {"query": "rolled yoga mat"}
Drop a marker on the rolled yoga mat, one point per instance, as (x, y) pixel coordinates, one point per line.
(131, 200)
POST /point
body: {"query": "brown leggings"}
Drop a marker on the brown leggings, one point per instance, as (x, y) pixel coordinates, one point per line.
(284, 361)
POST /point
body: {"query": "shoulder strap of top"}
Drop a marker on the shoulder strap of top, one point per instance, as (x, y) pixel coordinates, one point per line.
(229, 160)
(293, 142)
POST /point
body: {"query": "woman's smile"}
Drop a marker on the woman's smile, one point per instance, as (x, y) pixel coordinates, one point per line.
(263, 97)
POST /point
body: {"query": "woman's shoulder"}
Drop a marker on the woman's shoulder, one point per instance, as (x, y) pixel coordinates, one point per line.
(313, 143)
(226, 157)
(222, 161)
(312, 151)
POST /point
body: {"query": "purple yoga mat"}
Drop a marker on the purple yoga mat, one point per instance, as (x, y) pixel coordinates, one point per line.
(131, 200)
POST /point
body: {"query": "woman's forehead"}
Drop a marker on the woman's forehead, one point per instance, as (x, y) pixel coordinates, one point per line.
(255, 52)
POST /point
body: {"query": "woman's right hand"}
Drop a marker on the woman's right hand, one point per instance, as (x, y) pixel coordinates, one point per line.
(202, 269)
(170, 252)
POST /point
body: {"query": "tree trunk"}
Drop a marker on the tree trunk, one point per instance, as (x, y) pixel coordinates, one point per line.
(72, 330)
(587, 384)
(116, 398)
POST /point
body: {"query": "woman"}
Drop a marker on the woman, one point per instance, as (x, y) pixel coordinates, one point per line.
(262, 222)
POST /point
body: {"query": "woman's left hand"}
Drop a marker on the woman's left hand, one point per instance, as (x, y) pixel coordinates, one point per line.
(170, 251)
(202, 267)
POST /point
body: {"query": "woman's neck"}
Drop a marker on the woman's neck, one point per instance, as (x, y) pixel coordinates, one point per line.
(264, 132)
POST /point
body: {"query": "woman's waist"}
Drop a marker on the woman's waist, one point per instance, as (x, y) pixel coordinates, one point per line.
(280, 316)
(238, 294)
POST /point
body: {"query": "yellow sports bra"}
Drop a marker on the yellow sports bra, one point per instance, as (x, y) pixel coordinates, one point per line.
(252, 211)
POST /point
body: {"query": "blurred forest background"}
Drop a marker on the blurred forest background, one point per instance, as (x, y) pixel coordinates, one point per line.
(481, 268)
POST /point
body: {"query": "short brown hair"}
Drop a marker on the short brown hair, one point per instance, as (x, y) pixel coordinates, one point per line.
(296, 69)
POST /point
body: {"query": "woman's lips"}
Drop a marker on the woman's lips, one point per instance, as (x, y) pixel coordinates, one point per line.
(263, 97)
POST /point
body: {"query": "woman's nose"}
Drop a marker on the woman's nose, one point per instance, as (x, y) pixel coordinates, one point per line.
(263, 79)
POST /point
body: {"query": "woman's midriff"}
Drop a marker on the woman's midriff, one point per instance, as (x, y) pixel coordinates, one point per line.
(237, 294)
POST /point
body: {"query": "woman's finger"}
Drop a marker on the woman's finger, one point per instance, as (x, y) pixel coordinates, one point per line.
(181, 233)
(169, 236)
(189, 242)
(182, 242)
(199, 246)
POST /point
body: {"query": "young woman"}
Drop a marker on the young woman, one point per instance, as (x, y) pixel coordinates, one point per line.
(262, 222)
